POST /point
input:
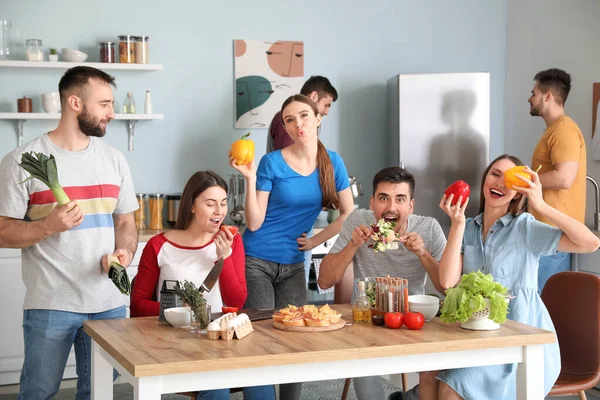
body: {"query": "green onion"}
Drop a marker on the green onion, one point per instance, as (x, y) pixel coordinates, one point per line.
(43, 168)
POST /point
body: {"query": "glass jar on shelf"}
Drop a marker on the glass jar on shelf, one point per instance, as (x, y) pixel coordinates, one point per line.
(126, 49)
(141, 49)
(140, 213)
(107, 52)
(6, 51)
(155, 209)
(33, 50)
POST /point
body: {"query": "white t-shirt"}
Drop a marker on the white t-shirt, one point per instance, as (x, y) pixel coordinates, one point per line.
(63, 271)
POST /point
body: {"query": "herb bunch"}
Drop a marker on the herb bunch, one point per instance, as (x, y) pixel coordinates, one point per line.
(190, 295)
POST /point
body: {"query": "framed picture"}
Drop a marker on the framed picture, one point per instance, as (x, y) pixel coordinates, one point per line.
(266, 73)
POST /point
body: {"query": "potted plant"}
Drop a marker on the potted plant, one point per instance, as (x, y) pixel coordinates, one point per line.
(200, 310)
(477, 302)
(53, 56)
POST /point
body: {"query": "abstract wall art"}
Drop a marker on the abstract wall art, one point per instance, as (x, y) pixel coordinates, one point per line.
(266, 73)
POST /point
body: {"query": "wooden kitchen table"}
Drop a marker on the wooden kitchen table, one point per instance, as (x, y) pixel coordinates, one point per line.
(158, 358)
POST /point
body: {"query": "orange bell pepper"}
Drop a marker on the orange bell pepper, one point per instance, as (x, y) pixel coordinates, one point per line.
(242, 150)
(511, 179)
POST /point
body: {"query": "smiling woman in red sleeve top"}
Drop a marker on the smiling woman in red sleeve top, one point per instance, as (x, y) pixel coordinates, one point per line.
(191, 249)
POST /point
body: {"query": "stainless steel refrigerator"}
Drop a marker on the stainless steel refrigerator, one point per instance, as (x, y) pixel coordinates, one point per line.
(439, 128)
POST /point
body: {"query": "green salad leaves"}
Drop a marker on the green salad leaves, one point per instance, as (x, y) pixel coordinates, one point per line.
(468, 297)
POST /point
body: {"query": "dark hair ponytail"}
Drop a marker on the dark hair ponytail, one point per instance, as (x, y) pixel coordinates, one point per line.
(327, 178)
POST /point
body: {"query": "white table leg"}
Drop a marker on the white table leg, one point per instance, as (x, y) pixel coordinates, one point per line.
(530, 373)
(147, 388)
(102, 375)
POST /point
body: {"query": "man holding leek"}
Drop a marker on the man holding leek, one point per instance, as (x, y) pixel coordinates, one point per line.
(67, 201)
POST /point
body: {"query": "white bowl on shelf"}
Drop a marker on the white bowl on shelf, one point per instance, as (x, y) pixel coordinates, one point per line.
(72, 55)
(51, 102)
(179, 317)
(425, 304)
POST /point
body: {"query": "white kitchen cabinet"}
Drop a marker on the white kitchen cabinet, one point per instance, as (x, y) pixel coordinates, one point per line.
(12, 293)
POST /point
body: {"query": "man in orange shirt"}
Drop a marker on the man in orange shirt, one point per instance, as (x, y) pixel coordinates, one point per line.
(561, 154)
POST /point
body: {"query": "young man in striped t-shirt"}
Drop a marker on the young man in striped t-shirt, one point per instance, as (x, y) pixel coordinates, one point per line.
(64, 248)
(418, 256)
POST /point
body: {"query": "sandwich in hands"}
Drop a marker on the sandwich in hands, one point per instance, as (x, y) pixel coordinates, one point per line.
(384, 236)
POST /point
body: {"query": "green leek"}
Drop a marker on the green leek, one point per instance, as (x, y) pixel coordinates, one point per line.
(118, 275)
(43, 168)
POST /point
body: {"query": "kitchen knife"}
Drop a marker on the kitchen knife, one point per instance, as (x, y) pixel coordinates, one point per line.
(212, 277)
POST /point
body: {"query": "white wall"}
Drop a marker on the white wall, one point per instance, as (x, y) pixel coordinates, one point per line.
(545, 34)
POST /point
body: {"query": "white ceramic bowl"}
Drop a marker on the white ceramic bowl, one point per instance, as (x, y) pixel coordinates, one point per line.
(179, 317)
(51, 102)
(71, 55)
(425, 304)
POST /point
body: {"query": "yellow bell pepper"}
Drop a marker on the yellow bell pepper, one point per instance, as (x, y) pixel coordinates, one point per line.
(511, 179)
(242, 150)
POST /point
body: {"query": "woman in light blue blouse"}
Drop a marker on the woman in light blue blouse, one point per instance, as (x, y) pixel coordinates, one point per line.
(507, 242)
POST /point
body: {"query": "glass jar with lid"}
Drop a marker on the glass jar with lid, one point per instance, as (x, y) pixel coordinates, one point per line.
(140, 213)
(107, 52)
(6, 50)
(33, 50)
(127, 49)
(155, 209)
(141, 49)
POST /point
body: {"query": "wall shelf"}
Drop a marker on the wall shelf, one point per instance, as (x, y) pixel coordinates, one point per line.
(20, 118)
(67, 65)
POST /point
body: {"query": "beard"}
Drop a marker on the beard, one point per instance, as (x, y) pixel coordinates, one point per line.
(89, 125)
(535, 111)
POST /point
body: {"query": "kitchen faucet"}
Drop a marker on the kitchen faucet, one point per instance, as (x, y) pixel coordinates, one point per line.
(597, 193)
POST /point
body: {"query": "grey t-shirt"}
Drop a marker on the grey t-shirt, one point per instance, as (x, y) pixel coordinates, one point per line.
(63, 271)
(401, 263)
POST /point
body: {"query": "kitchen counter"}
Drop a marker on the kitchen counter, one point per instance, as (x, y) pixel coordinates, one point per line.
(146, 234)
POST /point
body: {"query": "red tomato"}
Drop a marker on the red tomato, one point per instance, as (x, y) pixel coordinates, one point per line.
(232, 229)
(414, 321)
(393, 319)
(458, 188)
(229, 309)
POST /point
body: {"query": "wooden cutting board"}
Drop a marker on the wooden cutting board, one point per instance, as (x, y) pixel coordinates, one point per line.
(333, 327)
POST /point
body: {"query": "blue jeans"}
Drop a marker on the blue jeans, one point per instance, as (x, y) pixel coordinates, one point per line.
(266, 392)
(48, 337)
(550, 265)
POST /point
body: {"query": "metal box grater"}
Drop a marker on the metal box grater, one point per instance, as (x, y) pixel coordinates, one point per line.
(168, 298)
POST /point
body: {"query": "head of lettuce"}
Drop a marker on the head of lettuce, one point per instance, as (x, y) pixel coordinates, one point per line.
(469, 296)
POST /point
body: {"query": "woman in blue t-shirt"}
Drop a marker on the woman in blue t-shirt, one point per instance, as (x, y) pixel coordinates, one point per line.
(283, 199)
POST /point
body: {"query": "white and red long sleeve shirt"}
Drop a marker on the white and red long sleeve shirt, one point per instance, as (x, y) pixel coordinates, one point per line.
(164, 260)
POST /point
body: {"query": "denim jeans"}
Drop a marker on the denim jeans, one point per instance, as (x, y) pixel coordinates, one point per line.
(48, 337)
(550, 265)
(274, 285)
(266, 392)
